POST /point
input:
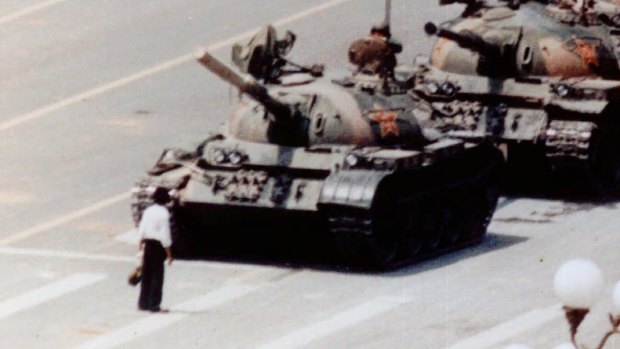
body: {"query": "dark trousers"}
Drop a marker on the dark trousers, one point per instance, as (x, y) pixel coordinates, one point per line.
(152, 275)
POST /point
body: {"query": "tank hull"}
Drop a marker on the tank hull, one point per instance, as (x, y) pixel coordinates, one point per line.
(391, 206)
(568, 128)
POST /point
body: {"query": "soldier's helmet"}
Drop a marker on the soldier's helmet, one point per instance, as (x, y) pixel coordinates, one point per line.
(380, 29)
(372, 55)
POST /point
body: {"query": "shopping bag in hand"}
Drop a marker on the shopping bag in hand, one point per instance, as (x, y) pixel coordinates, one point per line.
(136, 275)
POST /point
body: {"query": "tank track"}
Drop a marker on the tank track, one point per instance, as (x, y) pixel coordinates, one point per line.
(423, 225)
(586, 151)
(568, 140)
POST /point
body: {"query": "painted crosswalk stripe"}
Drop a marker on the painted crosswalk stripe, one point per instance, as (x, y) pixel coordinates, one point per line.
(334, 324)
(507, 330)
(153, 323)
(37, 229)
(29, 10)
(44, 253)
(46, 293)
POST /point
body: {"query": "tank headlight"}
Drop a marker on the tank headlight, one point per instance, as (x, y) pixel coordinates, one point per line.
(219, 156)
(236, 157)
(351, 160)
(562, 90)
(432, 87)
(448, 89)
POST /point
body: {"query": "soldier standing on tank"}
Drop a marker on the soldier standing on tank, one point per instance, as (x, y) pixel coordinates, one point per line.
(382, 32)
(376, 53)
(155, 241)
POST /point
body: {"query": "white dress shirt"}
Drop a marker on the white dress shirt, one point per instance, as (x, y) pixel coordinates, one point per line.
(155, 224)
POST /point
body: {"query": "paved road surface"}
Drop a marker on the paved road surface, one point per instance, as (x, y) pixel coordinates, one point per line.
(91, 93)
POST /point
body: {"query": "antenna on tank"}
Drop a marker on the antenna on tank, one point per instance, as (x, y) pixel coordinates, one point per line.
(388, 12)
(383, 28)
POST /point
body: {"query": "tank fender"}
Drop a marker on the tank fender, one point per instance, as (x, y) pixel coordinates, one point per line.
(351, 188)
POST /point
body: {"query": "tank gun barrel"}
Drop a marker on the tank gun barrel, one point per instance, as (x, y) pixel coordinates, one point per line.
(247, 86)
(465, 39)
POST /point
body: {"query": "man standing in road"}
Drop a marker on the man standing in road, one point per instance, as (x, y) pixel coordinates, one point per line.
(155, 241)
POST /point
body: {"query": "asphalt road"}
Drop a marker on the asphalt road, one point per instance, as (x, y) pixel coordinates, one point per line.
(92, 92)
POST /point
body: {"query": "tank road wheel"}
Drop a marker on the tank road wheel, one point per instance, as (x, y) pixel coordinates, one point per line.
(483, 200)
(372, 248)
(412, 236)
(382, 245)
(454, 226)
(432, 225)
(387, 222)
(368, 239)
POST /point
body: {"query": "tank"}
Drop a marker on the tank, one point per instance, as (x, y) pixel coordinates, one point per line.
(539, 79)
(340, 152)
(530, 38)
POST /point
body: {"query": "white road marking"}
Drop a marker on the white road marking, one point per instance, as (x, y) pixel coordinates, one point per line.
(63, 219)
(34, 252)
(44, 111)
(214, 298)
(28, 10)
(306, 13)
(38, 113)
(156, 322)
(332, 325)
(133, 331)
(46, 293)
(500, 333)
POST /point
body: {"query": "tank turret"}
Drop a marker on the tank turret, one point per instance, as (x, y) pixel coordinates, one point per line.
(488, 51)
(531, 76)
(533, 39)
(314, 111)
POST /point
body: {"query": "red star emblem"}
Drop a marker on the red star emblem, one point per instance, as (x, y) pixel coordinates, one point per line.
(587, 52)
(386, 120)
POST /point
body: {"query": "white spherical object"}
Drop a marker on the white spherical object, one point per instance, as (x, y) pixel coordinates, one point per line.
(565, 346)
(578, 283)
(617, 299)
